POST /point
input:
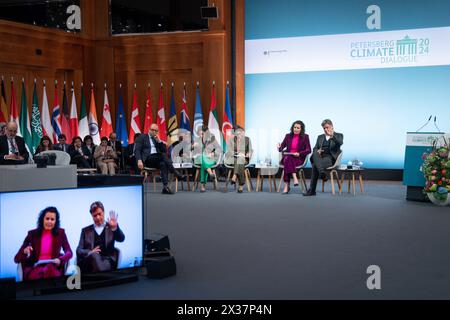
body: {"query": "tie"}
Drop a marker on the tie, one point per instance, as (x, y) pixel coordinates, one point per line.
(13, 146)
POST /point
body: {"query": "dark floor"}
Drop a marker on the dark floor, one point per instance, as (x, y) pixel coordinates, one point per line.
(273, 246)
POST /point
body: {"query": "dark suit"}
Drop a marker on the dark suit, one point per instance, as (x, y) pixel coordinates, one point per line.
(97, 262)
(34, 239)
(4, 150)
(59, 147)
(78, 159)
(159, 160)
(130, 158)
(321, 162)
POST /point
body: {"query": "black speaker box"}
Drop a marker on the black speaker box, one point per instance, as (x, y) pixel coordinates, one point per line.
(209, 13)
(157, 242)
(8, 289)
(161, 267)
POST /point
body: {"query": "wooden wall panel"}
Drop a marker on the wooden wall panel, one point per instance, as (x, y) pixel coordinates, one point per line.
(93, 56)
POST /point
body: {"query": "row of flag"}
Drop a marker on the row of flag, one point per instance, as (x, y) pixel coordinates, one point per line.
(61, 121)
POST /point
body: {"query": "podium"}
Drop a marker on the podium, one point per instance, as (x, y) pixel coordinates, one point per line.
(418, 143)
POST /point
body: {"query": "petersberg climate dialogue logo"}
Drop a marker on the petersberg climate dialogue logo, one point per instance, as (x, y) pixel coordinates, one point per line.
(394, 52)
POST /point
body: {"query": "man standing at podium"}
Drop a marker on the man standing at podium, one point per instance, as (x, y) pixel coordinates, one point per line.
(12, 147)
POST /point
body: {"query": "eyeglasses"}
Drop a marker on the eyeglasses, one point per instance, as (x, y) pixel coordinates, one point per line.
(154, 130)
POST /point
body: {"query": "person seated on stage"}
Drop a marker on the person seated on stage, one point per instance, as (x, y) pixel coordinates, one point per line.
(295, 148)
(79, 154)
(105, 157)
(152, 152)
(130, 158)
(117, 147)
(12, 147)
(40, 253)
(61, 145)
(207, 150)
(96, 251)
(239, 152)
(2, 128)
(325, 153)
(90, 148)
(45, 145)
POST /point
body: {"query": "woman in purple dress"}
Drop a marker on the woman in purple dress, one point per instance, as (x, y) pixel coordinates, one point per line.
(40, 254)
(295, 148)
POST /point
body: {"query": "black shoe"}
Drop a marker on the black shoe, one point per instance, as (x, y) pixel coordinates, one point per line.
(295, 184)
(232, 182)
(166, 190)
(240, 190)
(289, 189)
(309, 193)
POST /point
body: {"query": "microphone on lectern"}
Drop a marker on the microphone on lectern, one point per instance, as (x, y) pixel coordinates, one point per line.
(429, 119)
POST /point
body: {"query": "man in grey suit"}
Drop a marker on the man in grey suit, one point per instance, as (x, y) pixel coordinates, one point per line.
(325, 153)
(152, 152)
(96, 251)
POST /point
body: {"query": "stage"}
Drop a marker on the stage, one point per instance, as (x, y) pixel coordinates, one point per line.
(273, 246)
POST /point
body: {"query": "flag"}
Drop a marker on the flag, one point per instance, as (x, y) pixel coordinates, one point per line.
(161, 120)
(148, 111)
(213, 122)
(36, 126)
(24, 119)
(198, 116)
(173, 123)
(14, 114)
(135, 126)
(227, 124)
(3, 107)
(56, 116)
(46, 120)
(93, 124)
(73, 121)
(83, 125)
(65, 126)
(184, 117)
(107, 127)
(121, 125)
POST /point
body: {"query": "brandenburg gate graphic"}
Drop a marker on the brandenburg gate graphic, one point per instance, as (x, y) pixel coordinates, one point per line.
(407, 46)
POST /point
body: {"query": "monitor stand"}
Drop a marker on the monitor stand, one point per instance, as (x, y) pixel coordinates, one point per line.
(91, 281)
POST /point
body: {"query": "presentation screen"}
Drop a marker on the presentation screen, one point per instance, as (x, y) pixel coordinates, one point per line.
(109, 238)
(377, 71)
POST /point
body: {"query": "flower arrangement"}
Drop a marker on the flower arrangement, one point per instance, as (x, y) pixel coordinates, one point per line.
(436, 168)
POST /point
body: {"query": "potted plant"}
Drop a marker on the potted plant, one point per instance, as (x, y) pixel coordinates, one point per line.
(436, 169)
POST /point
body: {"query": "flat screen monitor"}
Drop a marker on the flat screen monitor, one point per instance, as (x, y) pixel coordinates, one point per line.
(29, 246)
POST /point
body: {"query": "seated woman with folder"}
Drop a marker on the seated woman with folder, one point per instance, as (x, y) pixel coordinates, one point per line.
(295, 147)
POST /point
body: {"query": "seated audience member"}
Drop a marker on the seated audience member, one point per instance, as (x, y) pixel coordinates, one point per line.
(2, 128)
(130, 157)
(12, 147)
(105, 157)
(90, 148)
(79, 154)
(295, 148)
(117, 147)
(206, 148)
(152, 152)
(96, 251)
(239, 152)
(45, 145)
(40, 253)
(325, 153)
(61, 145)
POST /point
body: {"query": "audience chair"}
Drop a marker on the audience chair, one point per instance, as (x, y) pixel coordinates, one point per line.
(300, 172)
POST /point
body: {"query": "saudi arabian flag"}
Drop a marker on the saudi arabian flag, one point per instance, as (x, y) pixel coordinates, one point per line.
(36, 126)
(24, 120)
